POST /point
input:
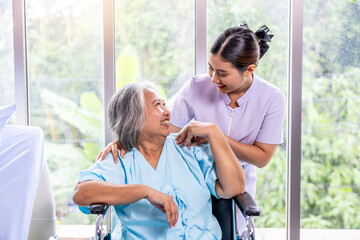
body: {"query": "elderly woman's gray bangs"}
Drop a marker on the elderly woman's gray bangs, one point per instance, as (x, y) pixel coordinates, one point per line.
(126, 113)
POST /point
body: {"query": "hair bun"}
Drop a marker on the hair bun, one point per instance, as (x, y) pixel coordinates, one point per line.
(263, 37)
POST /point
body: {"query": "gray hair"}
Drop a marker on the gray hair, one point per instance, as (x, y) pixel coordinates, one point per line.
(126, 113)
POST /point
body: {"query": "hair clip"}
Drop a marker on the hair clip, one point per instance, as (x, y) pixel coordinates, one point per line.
(263, 37)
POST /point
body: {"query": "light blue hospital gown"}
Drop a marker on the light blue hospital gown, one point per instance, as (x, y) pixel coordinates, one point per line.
(188, 175)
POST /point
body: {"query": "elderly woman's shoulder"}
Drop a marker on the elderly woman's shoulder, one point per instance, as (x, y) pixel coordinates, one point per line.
(128, 155)
(194, 149)
(172, 137)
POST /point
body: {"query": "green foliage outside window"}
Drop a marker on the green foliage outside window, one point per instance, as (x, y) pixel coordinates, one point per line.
(72, 122)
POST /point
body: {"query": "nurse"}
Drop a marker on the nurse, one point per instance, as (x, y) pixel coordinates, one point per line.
(160, 190)
(249, 110)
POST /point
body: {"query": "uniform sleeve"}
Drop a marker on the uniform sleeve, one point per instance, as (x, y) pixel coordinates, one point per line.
(105, 170)
(203, 155)
(271, 131)
(181, 110)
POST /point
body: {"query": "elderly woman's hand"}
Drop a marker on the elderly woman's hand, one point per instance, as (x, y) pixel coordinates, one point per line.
(114, 146)
(165, 203)
(195, 133)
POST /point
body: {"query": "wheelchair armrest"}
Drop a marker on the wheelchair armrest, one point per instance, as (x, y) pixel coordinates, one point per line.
(98, 208)
(247, 204)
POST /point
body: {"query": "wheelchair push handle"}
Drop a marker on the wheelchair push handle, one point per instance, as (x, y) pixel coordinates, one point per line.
(247, 204)
(98, 208)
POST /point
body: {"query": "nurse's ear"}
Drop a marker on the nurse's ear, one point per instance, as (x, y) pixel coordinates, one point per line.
(250, 70)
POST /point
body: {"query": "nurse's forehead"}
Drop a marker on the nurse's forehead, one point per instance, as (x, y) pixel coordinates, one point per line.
(218, 63)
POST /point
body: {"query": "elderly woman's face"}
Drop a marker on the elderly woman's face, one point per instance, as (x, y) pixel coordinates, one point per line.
(157, 116)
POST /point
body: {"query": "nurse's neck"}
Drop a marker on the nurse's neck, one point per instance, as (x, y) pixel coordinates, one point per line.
(151, 150)
(237, 94)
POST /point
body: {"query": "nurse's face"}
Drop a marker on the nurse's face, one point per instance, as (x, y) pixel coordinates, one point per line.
(227, 78)
(157, 116)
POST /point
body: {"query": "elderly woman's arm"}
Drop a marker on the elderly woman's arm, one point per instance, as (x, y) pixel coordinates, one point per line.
(92, 191)
(231, 176)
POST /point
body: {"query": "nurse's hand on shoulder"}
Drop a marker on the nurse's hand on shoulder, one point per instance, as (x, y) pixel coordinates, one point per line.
(165, 203)
(114, 146)
(195, 133)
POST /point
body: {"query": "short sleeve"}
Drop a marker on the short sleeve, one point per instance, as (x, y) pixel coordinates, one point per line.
(204, 157)
(181, 109)
(106, 170)
(271, 131)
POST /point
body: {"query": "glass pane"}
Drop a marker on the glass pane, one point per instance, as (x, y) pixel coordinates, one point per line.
(271, 180)
(154, 40)
(330, 168)
(65, 64)
(7, 77)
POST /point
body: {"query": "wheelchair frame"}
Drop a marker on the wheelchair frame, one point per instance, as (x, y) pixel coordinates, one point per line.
(244, 201)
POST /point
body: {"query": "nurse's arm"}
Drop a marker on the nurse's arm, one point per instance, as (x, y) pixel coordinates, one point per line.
(93, 191)
(258, 154)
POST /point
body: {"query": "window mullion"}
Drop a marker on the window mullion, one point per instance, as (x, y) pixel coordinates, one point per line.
(20, 63)
(200, 37)
(294, 120)
(109, 59)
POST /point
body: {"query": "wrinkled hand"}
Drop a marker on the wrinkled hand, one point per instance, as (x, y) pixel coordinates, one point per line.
(194, 133)
(114, 146)
(165, 203)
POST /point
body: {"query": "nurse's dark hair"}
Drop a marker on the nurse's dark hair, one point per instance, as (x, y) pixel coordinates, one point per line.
(241, 46)
(126, 112)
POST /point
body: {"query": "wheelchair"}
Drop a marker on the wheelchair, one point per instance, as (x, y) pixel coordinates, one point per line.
(223, 210)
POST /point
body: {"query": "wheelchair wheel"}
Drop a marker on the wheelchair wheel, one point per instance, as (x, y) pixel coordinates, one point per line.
(249, 232)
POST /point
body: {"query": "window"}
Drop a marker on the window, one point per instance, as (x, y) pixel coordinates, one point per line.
(65, 91)
(154, 41)
(7, 75)
(330, 169)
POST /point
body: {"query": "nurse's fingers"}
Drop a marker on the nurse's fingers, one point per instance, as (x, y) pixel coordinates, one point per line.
(186, 136)
(189, 137)
(122, 151)
(181, 131)
(114, 149)
(180, 139)
(178, 136)
(198, 140)
(182, 136)
(105, 151)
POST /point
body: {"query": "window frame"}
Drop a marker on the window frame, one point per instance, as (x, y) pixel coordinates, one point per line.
(295, 22)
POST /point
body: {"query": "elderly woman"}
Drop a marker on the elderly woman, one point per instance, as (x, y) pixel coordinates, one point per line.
(160, 190)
